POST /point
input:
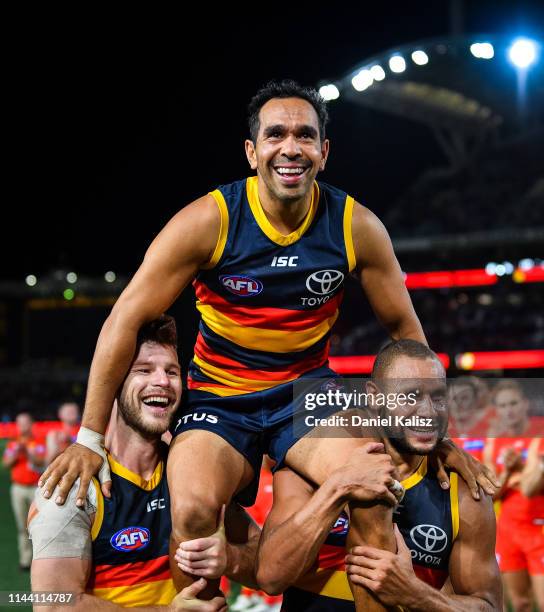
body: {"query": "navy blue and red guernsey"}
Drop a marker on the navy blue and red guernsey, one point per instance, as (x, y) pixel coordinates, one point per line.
(428, 519)
(268, 301)
(130, 537)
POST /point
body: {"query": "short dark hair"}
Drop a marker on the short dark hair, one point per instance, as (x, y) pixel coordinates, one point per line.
(286, 89)
(399, 348)
(161, 330)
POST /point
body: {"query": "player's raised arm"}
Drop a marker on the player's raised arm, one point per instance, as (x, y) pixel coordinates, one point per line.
(381, 276)
(171, 262)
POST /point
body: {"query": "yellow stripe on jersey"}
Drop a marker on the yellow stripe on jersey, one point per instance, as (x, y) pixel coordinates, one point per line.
(417, 476)
(260, 339)
(348, 236)
(252, 189)
(454, 503)
(99, 515)
(146, 485)
(226, 378)
(158, 593)
(223, 230)
(222, 391)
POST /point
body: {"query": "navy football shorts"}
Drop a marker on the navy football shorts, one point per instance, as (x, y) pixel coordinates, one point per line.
(254, 423)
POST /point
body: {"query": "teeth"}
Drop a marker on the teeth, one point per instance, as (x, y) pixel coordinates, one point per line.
(158, 399)
(290, 170)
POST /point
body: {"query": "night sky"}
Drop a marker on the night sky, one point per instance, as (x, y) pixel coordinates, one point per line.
(116, 122)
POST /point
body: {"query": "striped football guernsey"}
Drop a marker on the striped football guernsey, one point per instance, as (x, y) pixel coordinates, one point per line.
(428, 519)
(130, 534)
(268, 301)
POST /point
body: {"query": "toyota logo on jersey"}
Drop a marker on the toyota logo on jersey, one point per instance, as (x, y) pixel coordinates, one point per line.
(130, 538)
(430, 538)
(324, 282)
(244, 286)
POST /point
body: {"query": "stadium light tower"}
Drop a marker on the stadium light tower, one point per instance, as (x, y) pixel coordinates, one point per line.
(523, 54)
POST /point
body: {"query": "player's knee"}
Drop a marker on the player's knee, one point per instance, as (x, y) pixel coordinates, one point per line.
(195, 516)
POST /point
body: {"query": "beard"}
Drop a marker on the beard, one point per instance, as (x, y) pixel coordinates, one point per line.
(134, 418)
(398, 439)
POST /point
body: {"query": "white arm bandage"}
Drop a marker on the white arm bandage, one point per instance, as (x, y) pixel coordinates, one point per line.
(62, 531)
(95, 442)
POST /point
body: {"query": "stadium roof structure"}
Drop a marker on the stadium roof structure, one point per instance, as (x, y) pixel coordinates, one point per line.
(463, 87)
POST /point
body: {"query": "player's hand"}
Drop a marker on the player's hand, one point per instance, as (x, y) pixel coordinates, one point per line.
(474, 473)
(206, 557)
(186, 599)
(513, 461)
(76, 461)
(368, 475)
(390, 576)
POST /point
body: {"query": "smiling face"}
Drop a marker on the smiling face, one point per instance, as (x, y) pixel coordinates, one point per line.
(288, 152)
(151, 391)
(426, 380)
(512, 408)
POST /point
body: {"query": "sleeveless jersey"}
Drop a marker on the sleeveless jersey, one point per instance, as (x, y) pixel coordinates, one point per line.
(268, 301)
(130, 534)
(428, 519)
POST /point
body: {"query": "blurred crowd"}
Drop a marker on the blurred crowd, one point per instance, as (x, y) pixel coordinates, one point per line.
(503, 188)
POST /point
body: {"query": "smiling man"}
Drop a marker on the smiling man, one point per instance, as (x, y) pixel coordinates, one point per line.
(268, 256)
(445, 539)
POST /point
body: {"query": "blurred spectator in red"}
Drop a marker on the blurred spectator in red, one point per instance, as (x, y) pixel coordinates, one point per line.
(520, 536)
(59, 440)
(25, 457)
(470, 414)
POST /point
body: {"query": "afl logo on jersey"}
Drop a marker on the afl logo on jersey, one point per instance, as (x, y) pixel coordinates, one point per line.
(130, 538)
(324, 281)
(244, 286)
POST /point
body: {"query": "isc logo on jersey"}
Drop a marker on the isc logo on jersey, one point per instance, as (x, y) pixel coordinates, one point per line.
(243, 286)
(130, 538)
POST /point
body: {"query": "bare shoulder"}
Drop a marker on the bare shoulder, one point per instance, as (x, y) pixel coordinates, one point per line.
(195, 228)
(370, 238)
(476, 517)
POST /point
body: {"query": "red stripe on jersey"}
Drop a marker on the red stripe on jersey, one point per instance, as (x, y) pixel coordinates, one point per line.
(433, 577)
(130, 574)
(279, 319)
(331, 557)
(205, 353)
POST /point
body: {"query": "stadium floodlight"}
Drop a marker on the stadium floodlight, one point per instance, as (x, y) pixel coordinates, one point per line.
(420, 58)
(329, 92)
(377, 72)
(491, 268)
(110, 276)
(482, 50)
(526, 264)
(522, 53)
(362, 80)
(31, 280)
(500, 270)
(509, 267)
(71, 278)
(397, 64)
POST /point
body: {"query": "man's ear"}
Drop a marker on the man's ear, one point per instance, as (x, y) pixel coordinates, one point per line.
(372, 390)
(324, 154)
(251, 154)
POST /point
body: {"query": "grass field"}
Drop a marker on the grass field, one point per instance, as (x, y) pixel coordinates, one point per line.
(11, 578)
